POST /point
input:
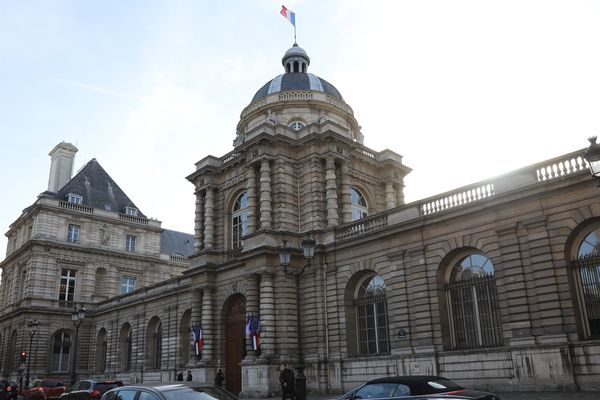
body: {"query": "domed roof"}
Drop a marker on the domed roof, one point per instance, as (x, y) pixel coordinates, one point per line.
(296, 77)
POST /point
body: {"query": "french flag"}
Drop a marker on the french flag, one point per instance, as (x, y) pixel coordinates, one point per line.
(290, 15)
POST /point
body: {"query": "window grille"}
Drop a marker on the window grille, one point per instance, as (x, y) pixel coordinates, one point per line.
(475, 319)
(588, 276)
(371, 317)
(158, 347)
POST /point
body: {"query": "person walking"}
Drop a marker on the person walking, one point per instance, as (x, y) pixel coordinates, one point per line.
(219, 378)
(180, 376)
(288, 385)
(188, 376)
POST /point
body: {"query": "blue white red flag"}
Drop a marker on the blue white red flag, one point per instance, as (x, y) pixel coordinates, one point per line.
(198, 339)
(290, 15)
(253, 330)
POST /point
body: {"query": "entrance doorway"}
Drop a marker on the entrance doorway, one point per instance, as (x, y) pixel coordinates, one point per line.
(235, 349)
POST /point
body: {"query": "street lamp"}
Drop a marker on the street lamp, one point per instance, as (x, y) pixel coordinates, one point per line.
(285, 253)
(77, 316)
(32, 325)
(592, 156)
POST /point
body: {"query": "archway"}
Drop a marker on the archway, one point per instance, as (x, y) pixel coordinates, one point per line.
(235, 350)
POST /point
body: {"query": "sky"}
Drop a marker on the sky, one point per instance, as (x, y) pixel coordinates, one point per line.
(463, 90)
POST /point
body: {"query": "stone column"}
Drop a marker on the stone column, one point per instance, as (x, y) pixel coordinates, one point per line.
(267, 315)
(346, 203)
(333, 218)
(199, 222)
(208, 325)
(265, 195)
(390, 196)
(196, 317)
(400, 194)
(209, 219)
(252, 307)
(251, 190)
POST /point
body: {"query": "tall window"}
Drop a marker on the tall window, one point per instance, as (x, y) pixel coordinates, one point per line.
(125, 347)
(130, 243)
(127, 284)
(73, 233)
(371, 316)
(101, 351)
(61, 347)
(66, 292)
(11, 352)
(74, 198)
(359, 205)
(473, 303)
(158, 347)
(131, 211)
(587, 276)
(239, 220)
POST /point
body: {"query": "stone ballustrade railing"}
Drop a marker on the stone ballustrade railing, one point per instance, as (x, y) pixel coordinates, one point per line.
(559, 167)
(131, 218)
(179, 258)
(76, 207)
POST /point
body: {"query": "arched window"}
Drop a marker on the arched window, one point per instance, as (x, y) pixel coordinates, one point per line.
(358, 203)
(185, 337)
(11, 352)
(587, 277)
(239, 220)
(296, 125)
(473, 303)
(125, 347)
(61, 347)
(370, 306)
(100, 362)
(154, 344)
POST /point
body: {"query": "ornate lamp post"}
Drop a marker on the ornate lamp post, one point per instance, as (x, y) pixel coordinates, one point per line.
(285, 253)
(592, 156)
(32, 325)
(77, 316)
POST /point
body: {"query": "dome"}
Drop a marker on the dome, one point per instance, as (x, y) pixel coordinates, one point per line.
(296, 61)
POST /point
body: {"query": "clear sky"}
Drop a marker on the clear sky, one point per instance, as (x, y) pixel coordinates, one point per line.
(464, 90)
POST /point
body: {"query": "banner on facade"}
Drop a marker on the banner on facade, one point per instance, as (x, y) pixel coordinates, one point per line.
(253, 331)
(198, 338)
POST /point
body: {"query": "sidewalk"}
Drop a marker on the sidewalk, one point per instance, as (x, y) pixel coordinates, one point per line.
(502, 395)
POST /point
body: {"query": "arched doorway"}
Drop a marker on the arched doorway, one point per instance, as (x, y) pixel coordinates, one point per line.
(235, 350)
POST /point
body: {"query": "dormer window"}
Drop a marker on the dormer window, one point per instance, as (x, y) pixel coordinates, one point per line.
(74, 198)
(296, 125)
(131, 211)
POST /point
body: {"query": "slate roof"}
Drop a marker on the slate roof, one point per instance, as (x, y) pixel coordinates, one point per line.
(97, 188)
(173, 242)
(296, 81)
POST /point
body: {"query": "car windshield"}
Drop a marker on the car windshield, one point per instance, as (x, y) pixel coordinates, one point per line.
(441, 386)
(105, 386)
(51, 384)
(198, 393)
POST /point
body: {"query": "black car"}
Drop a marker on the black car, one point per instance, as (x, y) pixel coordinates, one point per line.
(89, 389)
(417, 387)
(169, 391)
(8, 390)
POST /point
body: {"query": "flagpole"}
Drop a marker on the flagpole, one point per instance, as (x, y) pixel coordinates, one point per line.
(295, 42)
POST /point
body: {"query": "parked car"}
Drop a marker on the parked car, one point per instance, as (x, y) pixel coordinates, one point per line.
(43, 389)
(8, 390)
(89, 389)
(169, 391)
(417, 387)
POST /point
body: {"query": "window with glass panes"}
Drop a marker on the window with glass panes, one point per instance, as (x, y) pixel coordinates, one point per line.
(61, 347)
(239, 220)
(127, 284)
(371, 317)
(587, 276)
(73, 232)
(66, 291)
(358, 204)
(130, 243)
(473, 303)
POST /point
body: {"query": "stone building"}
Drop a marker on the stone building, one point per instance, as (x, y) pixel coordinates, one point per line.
(495, 284)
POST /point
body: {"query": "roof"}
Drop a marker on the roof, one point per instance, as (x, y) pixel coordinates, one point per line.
(173, 242)
(97, 188)
(296, 81)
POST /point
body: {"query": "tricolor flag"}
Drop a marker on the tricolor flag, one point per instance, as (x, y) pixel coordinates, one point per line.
(290, 15)
(253, 331)
(198, 338)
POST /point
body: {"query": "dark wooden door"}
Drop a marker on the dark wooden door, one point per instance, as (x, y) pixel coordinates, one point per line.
(235, 328)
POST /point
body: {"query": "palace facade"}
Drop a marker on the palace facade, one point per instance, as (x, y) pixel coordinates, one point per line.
(495, 285)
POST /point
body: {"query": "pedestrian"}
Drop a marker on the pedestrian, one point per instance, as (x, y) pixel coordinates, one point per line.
(180, 376)
(219, 378)
(189, 375)
(288, 386)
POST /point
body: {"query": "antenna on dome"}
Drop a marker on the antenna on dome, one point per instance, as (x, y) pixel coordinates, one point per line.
(291, 16)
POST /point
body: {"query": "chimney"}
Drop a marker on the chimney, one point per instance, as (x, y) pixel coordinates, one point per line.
(62, 158)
